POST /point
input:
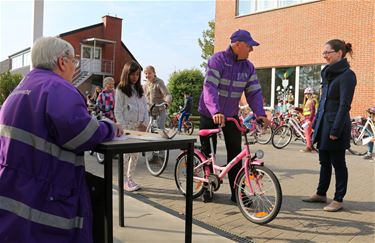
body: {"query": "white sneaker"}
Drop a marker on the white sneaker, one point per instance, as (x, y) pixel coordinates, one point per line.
(131, 186)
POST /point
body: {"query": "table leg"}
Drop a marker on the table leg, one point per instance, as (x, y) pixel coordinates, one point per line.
(189, 195)
(108, 198)
(121, 190)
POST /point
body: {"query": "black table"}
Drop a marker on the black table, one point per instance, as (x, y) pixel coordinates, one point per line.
(132, 145)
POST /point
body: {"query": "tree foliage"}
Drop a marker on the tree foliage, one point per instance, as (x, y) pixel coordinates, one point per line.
(8, 82)
(185, 80)
(207, 42)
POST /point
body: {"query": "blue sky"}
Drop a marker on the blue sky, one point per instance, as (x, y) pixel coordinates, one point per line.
(159, 33)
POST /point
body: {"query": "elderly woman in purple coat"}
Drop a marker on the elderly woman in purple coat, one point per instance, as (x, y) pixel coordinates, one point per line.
(44, 130)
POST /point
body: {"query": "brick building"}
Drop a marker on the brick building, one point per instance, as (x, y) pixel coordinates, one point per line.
(292, 34)
(99, 48)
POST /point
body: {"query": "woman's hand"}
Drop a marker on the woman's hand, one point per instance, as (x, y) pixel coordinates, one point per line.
(141, 128)
(119, 130)
(332, 137)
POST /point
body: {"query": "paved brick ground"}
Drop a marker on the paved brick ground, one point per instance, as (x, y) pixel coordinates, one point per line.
(297, 221)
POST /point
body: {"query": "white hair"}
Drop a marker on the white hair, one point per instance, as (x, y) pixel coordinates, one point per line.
(107, 80)
(46, 51)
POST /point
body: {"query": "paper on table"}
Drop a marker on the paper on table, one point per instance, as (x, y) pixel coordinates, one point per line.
(123, 137)
(366, 140)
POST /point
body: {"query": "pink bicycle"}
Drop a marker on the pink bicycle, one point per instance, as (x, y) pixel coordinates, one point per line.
(258, 190)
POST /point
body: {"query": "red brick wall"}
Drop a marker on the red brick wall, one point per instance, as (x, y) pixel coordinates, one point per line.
(110, 30)
(296, 35)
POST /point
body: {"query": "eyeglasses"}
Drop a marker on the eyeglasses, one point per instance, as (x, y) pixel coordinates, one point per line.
(74, 60)
(327, 52)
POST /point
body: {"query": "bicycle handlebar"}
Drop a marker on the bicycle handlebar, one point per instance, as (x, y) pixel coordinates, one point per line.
(164, 104)
(239, 127)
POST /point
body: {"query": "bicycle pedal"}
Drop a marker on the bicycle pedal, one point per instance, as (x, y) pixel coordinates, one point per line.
(206, 196)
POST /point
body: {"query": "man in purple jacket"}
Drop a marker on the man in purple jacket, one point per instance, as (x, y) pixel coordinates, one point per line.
(228, 74)
(44, 130)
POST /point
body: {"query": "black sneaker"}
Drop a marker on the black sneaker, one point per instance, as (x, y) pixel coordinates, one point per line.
(233, 199)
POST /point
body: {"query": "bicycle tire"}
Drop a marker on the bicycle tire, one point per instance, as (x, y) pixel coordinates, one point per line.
(263, 136)
(265, 204)
(189, 127)
(357, 147)
(157, 161)
(282, 136)
(180, 175)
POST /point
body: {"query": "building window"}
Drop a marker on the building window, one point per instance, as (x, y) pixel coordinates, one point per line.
(17, 62)
(265, 80)
(244, 7)
(285, 81)
(27, 59)
(309, 76)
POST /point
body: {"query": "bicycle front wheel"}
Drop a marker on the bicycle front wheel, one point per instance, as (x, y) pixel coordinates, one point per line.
(263, 135)
(282, 136)
(156, 161)
(180, 175)
(264, 204)
(189, 127)
(356, 145)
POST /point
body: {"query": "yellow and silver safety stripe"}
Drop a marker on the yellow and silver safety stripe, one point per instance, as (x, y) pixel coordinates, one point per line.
(225, 93)
(84, 136)
(214, 72)
(239, 84)
(235, 94)
(37, 216)
(212, 80)
(253, 77)
(252, 88)
(40, 144)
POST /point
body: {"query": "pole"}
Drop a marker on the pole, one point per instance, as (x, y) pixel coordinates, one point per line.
(37, 21)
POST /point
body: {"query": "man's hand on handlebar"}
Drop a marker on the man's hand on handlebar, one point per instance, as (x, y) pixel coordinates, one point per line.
(219, 118)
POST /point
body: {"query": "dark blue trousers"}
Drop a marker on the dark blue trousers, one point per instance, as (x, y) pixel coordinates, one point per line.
(337, 160)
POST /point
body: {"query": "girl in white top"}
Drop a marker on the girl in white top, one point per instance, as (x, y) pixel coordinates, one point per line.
(131, 112)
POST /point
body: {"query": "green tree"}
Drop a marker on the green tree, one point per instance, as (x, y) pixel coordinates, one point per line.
(207, 42)
(8, 82)
(185, 80)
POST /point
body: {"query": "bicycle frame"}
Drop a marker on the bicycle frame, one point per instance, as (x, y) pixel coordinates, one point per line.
(370, 123)
(221, 171)
(297, 127)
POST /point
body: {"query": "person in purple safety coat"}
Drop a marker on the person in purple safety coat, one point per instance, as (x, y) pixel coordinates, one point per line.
(228, 74)
(44, 130)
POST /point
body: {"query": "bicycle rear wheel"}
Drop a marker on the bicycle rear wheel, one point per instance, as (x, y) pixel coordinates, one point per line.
(156, 161)
(180, 175)
(189, 127)
(264, 205)
(282, 136)
(356, 146)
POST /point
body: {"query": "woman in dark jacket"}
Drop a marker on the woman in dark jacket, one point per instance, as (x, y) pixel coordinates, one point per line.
(332, 123)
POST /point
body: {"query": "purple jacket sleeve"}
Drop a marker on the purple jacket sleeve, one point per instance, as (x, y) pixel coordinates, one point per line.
(211, 83)
(254, 94)
(71, 126)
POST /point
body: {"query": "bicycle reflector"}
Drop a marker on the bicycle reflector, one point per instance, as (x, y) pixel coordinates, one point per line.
(259, 154)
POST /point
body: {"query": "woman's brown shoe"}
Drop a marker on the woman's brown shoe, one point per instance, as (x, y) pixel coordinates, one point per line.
(334, 206)
(316, 199)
